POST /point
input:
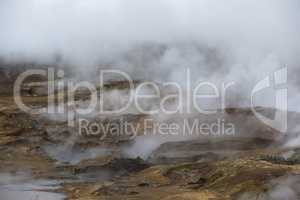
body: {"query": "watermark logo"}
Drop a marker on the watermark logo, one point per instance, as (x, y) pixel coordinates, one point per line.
(149, 126)
(148, 98)
(277, 82)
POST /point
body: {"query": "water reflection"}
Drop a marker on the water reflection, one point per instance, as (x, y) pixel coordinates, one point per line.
(20, 186)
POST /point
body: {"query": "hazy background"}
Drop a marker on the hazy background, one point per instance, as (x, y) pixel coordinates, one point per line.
(241, 41)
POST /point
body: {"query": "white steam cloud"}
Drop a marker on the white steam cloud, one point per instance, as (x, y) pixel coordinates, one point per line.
(86, 30)
(219, 40)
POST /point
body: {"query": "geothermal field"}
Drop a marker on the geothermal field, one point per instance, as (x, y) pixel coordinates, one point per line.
(151, 100)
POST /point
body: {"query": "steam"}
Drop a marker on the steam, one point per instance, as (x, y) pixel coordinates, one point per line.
(70, 155)
(283, 188)
(219, 41)
(86, 32)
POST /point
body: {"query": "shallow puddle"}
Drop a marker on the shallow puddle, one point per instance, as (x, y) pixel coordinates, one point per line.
(20, 186)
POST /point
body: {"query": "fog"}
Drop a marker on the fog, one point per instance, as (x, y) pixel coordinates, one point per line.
(219, 41)
(282, 188)
(156, 40)
(87, 31)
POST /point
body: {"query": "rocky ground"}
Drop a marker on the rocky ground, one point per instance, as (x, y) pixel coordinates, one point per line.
(252, 164)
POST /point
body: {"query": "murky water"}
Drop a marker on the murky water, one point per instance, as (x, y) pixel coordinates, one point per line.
(20, 186)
